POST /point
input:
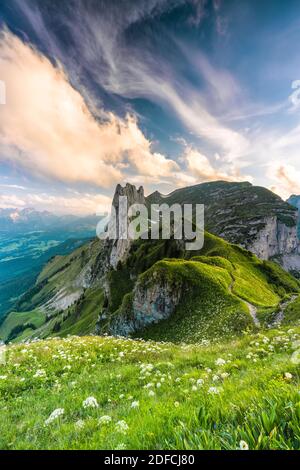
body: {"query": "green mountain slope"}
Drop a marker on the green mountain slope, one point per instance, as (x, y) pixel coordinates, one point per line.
(61, 302)
(161, 292)
(219, 292)
(234, 211)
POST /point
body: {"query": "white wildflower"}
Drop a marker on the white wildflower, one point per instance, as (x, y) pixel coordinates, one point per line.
(135, 404)
(79, 424)
(224, 375)
(220, 362)
(122, 426)
(40, 373)
(244, 445)
(54, 415)
(90, 402)
(106, 419)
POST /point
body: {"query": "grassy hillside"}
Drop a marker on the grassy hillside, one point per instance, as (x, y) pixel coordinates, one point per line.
(145, 395)
(58, 303)
(220, 287)
(19, 324)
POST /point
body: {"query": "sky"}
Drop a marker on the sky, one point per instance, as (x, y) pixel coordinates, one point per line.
(159, 93)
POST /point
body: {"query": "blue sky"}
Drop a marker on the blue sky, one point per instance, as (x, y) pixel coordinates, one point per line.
(163, 93)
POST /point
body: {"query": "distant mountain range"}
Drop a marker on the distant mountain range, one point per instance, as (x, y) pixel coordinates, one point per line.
(16, 220)
(294, 200)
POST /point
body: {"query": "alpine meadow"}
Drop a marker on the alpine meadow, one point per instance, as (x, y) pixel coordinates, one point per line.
(149, 227)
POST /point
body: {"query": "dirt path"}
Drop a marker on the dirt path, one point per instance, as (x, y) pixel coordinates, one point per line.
(252, 308)
(253, 313)
(283, 306)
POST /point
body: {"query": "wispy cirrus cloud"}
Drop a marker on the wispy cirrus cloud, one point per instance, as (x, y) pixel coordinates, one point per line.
(102, 40)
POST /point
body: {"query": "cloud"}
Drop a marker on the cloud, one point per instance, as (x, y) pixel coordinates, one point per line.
(199, 12)
(13, 186)
(200, 166)
(287, 180)
(9, 201)
(47, 128)
(294, 98)
(79, 203)
(124, 68)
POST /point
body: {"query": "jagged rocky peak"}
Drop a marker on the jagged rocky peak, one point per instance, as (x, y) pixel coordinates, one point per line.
(121, 246)
(134, 195)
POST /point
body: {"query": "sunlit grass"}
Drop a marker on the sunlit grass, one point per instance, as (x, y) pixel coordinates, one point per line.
(110, 393)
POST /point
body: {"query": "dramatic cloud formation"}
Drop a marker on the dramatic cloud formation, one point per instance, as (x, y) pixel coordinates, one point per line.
(121, 68)
(201, 167)
(47, 128)
(164, 93)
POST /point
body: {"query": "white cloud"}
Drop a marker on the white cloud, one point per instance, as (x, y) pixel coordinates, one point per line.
(13, 186)
(286, 179)
(294, 98)
(47, 128)
(9, 201)
(79, 203)
(200, 166)
(131, 72)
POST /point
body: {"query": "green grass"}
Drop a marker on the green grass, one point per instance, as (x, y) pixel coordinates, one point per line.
(15, 319)
(207, 308)
(83, 316)
(60, 273)
(255, 401)
(292, 313)
(79, 319)
(215, 285)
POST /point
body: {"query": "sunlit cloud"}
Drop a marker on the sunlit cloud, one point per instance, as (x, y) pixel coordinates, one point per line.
(200, 166)
(78, 204)
(47, 128)
(133, 72)
(286, 180)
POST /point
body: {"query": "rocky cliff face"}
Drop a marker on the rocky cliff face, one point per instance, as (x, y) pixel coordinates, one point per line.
(247, 215)
(273, 238)
(120, 245)
(150, 303)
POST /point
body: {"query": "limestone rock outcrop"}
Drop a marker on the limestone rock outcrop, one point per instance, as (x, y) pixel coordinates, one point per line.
(121, 244)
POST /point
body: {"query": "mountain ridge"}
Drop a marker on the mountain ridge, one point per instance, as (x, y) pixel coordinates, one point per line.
(90, 290)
